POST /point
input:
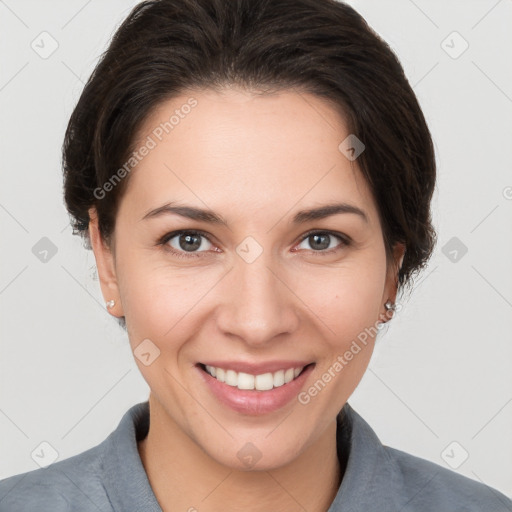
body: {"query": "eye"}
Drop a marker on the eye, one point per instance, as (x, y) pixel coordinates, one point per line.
(183, 242)
(190, 244)
(325, 241)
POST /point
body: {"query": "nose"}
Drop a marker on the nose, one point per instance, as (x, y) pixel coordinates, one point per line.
(257, 304)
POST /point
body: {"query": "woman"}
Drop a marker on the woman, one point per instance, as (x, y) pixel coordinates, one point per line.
(254, 178)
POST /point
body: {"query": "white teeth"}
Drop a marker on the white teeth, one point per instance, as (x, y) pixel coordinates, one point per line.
(278, 378)
(212, 370)
(288, 375)
(262, 382)
(231, 378)
(220, 374)
(245, 381)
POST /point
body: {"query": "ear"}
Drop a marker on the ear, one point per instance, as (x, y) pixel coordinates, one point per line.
(105, 265)
(391, 286)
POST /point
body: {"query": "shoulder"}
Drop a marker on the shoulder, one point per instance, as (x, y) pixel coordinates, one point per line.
(430, 486)
(107, 476)
(381, 478)
(70, 484)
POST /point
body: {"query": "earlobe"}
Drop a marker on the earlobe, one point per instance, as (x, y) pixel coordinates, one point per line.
(105, 265)
(391, 289)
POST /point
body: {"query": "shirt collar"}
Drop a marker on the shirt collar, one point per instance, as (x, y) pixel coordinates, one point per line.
(369, 468)
(125, 478)
(365, 484)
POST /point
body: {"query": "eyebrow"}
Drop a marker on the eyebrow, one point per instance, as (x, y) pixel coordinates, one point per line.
(211, 217)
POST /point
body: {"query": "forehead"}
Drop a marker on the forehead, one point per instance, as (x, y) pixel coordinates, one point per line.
(239, 148)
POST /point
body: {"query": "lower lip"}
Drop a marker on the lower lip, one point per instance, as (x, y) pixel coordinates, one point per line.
(252, 401)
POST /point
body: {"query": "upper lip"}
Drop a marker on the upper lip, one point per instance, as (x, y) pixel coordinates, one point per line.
(254, 368)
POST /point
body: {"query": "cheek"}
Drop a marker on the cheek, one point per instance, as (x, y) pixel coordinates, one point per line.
(348, 304)
(347, 299)
(154, 304)
(161, 302)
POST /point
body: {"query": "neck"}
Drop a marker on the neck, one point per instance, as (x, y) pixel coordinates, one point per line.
(184, 477)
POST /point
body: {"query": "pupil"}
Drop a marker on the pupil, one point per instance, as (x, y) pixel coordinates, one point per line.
(189, 239)
(317, 239)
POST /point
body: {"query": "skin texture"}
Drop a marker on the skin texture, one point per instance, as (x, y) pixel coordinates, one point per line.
(255, 160)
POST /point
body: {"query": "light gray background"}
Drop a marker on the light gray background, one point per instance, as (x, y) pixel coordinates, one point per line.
(442, 371)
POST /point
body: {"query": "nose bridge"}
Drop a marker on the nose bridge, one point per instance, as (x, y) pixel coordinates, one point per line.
(258, 307)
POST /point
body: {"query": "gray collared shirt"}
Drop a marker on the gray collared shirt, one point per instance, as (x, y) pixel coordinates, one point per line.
(111, 478)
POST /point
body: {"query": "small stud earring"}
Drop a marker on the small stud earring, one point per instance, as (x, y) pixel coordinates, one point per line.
(390, 306)
(110, 304)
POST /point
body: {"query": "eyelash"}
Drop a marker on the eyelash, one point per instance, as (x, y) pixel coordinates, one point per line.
(344, 239)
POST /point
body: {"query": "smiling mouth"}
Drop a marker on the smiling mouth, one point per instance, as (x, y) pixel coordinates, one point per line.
(260, 382)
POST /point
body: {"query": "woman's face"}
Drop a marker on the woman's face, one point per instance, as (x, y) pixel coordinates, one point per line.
(248, 286)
